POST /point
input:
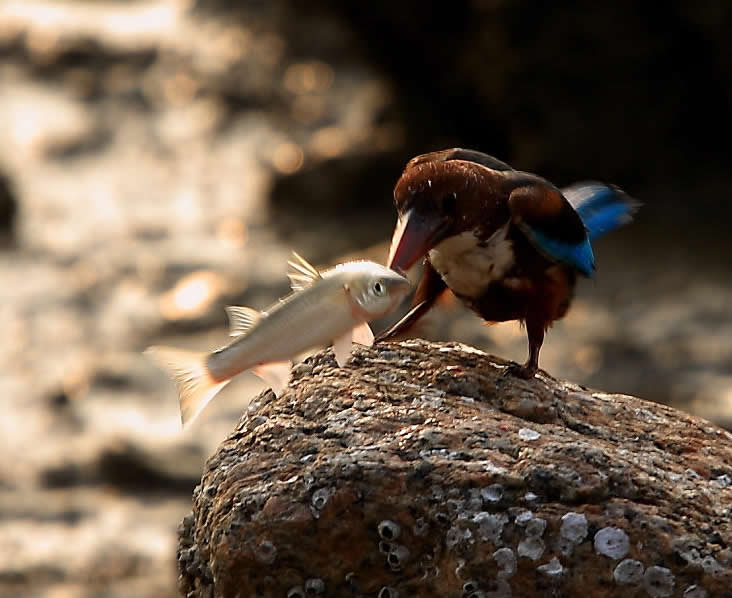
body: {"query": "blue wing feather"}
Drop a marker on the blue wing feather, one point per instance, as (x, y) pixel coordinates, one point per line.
(602, 208)
(577, 255)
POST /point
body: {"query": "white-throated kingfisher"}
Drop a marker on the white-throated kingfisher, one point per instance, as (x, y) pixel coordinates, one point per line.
(507, 243)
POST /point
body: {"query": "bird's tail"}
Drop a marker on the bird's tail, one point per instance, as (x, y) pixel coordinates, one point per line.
(602, 207)
(196, 387)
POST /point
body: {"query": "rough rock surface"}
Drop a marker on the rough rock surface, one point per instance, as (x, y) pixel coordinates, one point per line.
(420, 470)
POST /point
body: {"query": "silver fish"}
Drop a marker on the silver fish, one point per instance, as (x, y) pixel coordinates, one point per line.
(335, 305)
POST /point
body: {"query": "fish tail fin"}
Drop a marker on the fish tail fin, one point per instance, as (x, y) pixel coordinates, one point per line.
(276, 374)
(602, 208)
(195, 384)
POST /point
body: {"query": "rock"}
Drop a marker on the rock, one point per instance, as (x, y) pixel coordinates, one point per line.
(411, 472)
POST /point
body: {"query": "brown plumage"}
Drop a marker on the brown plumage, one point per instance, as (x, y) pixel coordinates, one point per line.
(507, 243)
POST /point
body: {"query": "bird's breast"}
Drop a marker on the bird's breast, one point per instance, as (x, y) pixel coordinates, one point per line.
(468, 264)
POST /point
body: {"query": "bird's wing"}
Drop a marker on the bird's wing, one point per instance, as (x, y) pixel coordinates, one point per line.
(602, 207)
(552, 225)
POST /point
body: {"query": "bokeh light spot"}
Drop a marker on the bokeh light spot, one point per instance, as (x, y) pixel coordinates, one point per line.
(192, 296)
(287, 158)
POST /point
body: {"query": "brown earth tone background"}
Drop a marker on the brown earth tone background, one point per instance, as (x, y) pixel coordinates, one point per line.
(159, 159)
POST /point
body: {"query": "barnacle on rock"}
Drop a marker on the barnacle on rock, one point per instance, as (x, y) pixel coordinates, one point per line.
(574, 527)
(314, 587)
(388, 592)
(389, 530)
(398, 557)
(628, 572)
(659, 582)
(612, 542)
(470, 586)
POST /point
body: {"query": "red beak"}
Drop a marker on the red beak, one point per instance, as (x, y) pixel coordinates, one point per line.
(414, 235)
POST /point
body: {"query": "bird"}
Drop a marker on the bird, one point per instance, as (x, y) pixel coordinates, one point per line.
(508, 243)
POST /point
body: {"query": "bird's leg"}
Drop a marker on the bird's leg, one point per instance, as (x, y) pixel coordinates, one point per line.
(535, 328)
(430, 287)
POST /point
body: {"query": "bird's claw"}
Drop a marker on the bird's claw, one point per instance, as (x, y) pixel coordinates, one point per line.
(525, 371)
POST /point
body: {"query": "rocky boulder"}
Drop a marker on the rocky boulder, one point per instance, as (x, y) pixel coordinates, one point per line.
(420, 469)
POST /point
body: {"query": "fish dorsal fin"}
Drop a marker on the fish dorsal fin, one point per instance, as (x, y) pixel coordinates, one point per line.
(242, 319)
(301, 272)
(276, 374)
(362, 335)
(342, 348)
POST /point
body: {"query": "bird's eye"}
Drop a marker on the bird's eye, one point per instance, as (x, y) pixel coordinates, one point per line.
(379, 289)
(448, 202)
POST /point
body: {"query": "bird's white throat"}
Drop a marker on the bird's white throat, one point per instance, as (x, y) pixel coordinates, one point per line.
(469, 266)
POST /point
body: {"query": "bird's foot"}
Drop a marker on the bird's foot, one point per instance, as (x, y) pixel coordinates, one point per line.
(525, 371)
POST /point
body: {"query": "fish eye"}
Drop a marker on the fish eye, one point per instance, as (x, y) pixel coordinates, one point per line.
(448, 203)
(379, 289)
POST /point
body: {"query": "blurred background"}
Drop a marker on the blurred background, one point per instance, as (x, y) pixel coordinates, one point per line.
(160, 158)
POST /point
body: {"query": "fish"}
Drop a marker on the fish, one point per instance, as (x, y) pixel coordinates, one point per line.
(330, 306)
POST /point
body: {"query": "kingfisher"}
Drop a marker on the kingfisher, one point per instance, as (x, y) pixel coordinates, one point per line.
(508, 243)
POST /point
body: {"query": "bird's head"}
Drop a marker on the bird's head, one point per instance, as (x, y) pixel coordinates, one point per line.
(435, 198)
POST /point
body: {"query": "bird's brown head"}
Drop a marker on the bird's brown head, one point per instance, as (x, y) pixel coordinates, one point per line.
(437, 196)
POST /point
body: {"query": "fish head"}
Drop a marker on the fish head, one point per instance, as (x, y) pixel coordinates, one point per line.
(373, 289)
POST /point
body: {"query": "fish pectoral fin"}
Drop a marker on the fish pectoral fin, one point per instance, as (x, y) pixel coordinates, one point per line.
(242, 319)
(275, 373)
(195, 385)
(301, 272)
(342, 348)
(362, 335)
